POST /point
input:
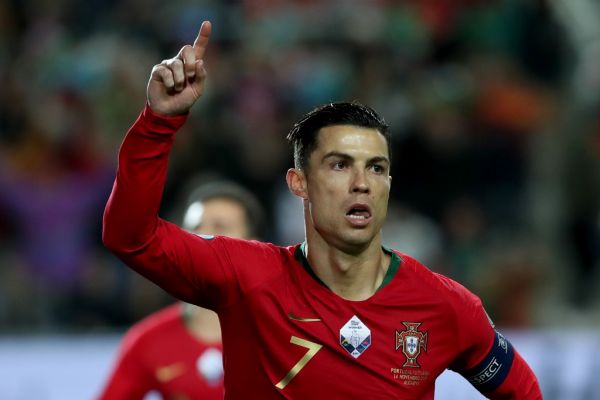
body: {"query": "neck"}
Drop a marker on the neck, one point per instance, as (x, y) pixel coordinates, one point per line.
(352, 275)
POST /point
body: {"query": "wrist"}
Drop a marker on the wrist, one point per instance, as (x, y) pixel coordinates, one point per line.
(163, 123)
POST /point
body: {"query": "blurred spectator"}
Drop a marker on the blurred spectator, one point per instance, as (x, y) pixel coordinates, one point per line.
(52, 182)
(582, 226)
(177, 351)
(410, 232)
(469, 87)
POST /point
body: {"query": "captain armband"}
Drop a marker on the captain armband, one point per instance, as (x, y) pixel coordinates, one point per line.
(494, 368)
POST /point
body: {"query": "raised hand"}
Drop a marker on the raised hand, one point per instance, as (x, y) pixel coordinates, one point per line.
(176, 83)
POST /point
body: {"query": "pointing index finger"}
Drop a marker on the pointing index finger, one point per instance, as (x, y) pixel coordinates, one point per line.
(202, 39)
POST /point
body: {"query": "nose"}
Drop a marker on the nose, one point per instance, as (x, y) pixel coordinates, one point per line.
(360, 184)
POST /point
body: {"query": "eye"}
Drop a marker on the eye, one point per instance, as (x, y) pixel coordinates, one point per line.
(339, 165)
(378, 169)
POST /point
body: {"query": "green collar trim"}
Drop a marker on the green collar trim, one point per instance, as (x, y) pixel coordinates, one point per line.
(389, 275)
(392, 269)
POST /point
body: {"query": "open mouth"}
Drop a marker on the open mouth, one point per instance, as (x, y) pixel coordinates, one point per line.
(359, 212)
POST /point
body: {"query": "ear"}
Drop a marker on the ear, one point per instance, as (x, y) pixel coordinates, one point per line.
(296, 181)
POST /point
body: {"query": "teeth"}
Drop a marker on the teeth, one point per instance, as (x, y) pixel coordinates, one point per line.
(357, 216)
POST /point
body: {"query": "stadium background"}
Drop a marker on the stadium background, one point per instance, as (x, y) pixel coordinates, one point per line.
(493, 106)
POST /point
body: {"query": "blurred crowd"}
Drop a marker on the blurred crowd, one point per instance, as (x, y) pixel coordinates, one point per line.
(493, 107)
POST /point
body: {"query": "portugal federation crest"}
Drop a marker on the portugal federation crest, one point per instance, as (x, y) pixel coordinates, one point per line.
(411, 341)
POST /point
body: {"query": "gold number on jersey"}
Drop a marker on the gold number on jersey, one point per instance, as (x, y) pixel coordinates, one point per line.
(313, 348)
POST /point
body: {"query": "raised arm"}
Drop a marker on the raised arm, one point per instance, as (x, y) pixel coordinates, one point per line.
(131, 226)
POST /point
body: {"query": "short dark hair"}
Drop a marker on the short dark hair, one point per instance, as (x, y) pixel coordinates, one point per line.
(221, 189)
(303, 136)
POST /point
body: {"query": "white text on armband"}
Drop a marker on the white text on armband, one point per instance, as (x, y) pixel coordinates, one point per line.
(491, 372)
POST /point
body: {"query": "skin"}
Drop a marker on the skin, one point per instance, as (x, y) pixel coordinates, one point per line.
(175, 84)
(345, 253)
(349, 168)
(222, 216)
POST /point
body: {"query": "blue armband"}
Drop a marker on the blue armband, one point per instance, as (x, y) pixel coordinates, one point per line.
(493, 369)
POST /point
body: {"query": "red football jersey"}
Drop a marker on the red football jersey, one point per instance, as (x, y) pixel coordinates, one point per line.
(285, 334)
(160, 354)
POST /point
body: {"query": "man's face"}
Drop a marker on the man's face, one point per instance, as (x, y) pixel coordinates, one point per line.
(219, 216)
(348, 185)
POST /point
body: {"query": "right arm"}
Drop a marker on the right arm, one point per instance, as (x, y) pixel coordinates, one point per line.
(131, 226)
(209, 273)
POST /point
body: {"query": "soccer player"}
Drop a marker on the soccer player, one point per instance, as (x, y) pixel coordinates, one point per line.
(177, 351)
(338, 316)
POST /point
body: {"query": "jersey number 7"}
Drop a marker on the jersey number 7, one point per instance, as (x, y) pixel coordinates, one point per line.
(312, 347)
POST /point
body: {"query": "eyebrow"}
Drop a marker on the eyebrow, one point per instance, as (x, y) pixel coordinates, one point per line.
(345, 156)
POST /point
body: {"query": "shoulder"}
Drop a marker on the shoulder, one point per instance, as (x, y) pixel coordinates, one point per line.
(263, 254)
(153, 325)
(251, 263)
(244, 247)
(463, 307)
(449, 289)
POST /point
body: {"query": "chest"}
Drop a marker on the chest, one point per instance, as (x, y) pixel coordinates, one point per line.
(313, 343)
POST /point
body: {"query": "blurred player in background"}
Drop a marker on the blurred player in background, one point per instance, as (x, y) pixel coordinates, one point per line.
(177, 351)
(337, 317)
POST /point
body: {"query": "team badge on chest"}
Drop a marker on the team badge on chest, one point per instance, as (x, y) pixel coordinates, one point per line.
(411, 341)
(355, 337)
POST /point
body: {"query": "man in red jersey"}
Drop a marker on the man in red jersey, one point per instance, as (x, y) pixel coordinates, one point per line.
(338, 316)
(177, 352)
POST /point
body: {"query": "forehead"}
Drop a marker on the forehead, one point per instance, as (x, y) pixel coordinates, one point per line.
(351, 139)
(222, 211)
(221, 216)
(222, 207)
